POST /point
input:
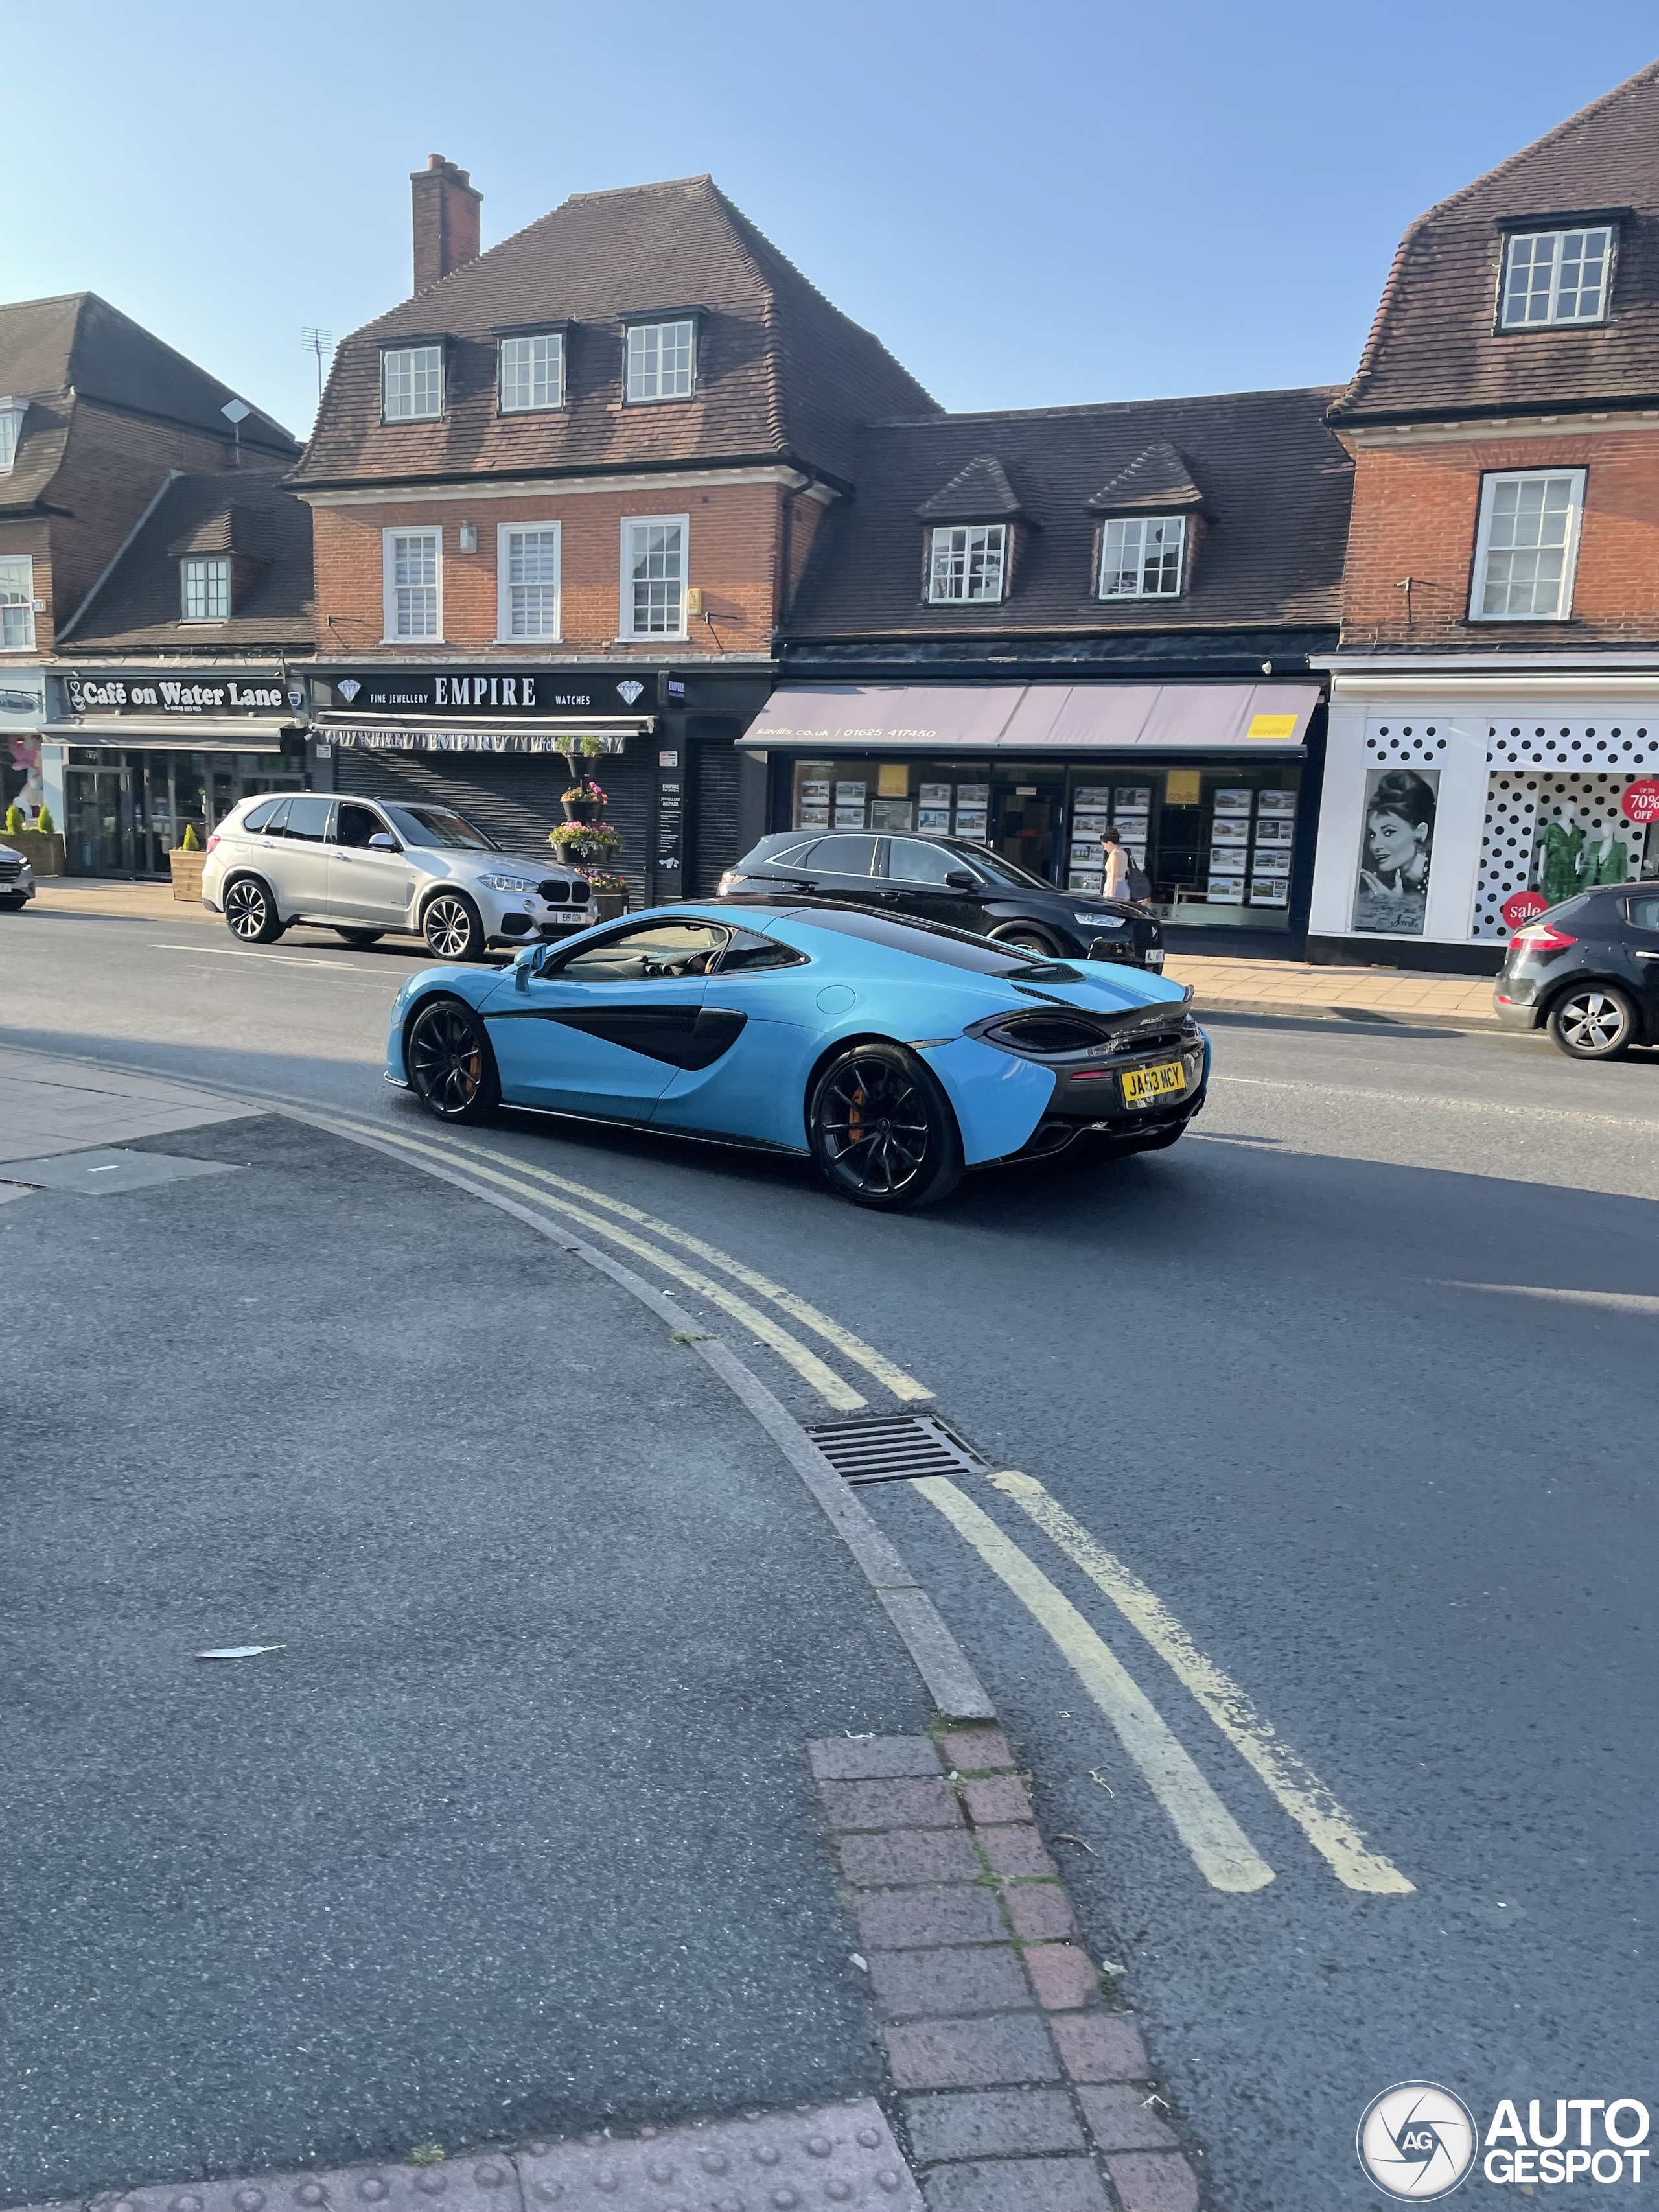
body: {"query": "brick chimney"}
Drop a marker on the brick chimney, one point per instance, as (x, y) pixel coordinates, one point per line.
(447, 204)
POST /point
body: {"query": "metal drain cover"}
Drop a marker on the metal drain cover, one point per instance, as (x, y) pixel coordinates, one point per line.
(895, 1450)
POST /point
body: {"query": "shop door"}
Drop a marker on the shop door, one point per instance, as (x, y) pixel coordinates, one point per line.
(1026, 822)
(96, 847)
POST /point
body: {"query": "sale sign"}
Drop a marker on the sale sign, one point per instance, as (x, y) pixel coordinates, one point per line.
(1641, 802)
(1525, 906)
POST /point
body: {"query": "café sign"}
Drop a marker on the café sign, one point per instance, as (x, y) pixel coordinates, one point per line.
(157, 695)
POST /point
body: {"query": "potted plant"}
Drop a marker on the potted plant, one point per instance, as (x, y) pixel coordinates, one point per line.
(577, 842)
(610, 893)
(583, 801)
(37, 841)
(187, 860)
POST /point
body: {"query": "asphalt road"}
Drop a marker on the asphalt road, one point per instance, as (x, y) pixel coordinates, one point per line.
(1359, 1382)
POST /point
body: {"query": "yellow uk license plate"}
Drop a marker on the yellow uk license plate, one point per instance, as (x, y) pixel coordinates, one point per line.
(1142, 1085)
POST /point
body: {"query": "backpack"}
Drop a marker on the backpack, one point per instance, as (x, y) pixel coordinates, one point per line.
(1140, 884)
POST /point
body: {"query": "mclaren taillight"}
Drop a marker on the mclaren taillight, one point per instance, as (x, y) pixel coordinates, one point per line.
(1542, 938)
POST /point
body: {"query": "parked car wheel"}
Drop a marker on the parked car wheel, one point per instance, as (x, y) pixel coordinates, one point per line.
(882, 1131)
(452, 928)
(1592, 1021)
(1027, 941)
(451, 1069)
(360, 937)
(251, 912)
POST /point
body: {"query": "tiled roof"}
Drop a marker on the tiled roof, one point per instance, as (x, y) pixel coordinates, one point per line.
(1158, 478)
(780, 372)
(1433, 348)
(1276, 490)
(243, 512)
(57, 353)
(979, 493)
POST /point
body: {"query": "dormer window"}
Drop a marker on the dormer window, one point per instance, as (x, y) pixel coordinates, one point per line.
(662, 359)
(12, 412)
(1556, 277)
(1142, 556)
(411, 384)
(968, 562)
(532, 372)
(205, 591)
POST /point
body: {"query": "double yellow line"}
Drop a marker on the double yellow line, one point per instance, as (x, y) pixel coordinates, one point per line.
(1218, 1846)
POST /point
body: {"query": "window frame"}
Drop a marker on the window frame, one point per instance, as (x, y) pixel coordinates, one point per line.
(424, 345)
(937, 598)
(26, 563)
(1555, 228)
(389, 588)
(505, 338)
(1489, 480)
(641, 324)
(1141, 590)
(626, 633)
(12, 411)
(206, 561)
(505, 633)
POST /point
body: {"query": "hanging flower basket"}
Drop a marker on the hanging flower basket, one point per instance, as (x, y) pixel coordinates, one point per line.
(584, 840)
(583, 801)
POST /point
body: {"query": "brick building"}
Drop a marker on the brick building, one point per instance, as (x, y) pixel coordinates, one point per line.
(564, 493)
(96, 416)
(1495, 694)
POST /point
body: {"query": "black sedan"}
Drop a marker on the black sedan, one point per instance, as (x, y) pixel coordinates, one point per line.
(1589, 971)
(949, 880)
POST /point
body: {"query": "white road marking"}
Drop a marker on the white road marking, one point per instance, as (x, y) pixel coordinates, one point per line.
(1634, 1301)
(1223, 1853)
(280, 959)
(1354, 1090)
(1329, 1828)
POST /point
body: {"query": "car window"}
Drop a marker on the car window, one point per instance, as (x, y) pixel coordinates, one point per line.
(747, 951)
(651, 951)
(308, 818)
(274, 823)
(355, 825)
(439, 825)
(842, 856)
(1007, 871)
(932, 940)
(261, 817)
(910, 861)
(789, 856)
(1644, 913)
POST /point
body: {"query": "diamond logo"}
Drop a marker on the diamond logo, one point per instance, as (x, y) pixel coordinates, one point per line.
(348, 689)
(630, 691)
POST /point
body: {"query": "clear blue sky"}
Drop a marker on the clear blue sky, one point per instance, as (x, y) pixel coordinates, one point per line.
(1031, 203)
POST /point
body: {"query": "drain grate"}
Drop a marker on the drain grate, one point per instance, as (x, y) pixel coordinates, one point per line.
(895, 1450)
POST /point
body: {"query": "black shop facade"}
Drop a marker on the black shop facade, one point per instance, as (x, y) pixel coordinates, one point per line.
(500, 743)
(1211, 785)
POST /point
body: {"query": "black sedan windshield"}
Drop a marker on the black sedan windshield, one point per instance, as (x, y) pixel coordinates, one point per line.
(436, 826)
(993, 863)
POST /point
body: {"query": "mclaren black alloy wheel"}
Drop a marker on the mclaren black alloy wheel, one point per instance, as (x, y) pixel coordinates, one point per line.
(1592, 1021)
(452, 1070)
(882, 1131)
(452, 928)
(251, 912)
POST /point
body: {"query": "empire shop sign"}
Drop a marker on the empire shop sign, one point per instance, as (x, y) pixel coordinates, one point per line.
(157, 695)
(545, 694)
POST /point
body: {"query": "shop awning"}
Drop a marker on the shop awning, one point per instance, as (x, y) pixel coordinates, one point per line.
(1018, 719)
(185, 733)
(408, 734)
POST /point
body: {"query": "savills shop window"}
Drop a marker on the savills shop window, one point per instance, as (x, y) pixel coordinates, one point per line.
(1216, 843)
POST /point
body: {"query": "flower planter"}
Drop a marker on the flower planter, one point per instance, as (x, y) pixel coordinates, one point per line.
(581, 809)
(42, 849)
(187, 874)
(612, 905)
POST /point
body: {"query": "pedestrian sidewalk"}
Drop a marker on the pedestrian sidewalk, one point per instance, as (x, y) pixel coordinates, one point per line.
(49, 1105)
(1380, 994)
(116, 898)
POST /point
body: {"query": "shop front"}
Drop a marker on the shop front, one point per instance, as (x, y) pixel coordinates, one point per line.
(1457, 807)
(1203, 781)
(132, 757)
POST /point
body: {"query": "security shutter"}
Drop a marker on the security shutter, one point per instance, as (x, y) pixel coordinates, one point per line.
(716, 830)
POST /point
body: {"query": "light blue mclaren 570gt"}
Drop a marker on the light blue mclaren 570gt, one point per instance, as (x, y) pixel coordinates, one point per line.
(895, 1054)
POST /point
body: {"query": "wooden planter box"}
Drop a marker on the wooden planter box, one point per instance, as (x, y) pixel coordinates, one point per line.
(187, 874)
(612, 905)
(44, 849)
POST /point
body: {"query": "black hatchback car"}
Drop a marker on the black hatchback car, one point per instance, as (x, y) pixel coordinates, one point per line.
(1589, 971)
(947, 879)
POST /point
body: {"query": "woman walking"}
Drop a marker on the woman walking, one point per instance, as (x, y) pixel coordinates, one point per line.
(1115, 881)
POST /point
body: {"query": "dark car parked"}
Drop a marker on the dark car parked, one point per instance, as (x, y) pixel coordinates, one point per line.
(1589, 971)
(947, 879)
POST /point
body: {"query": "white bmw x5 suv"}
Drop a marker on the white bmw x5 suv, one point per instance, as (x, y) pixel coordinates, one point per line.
(368, 867)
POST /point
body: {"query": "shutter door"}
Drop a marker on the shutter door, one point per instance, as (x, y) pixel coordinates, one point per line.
(716, 824)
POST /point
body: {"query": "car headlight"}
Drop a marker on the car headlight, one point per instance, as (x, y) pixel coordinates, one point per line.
(507, 883)
(1100, 920)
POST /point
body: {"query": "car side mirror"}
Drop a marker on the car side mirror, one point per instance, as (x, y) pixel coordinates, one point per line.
(528, 963)
(382, 842)
(960, 880)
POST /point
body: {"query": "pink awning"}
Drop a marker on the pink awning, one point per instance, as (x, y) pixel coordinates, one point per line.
(1017, 719)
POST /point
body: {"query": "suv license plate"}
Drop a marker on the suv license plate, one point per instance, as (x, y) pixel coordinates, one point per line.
(567, 917)
(1167, 1079)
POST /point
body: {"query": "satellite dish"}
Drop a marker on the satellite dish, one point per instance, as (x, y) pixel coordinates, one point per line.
(236, 410)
